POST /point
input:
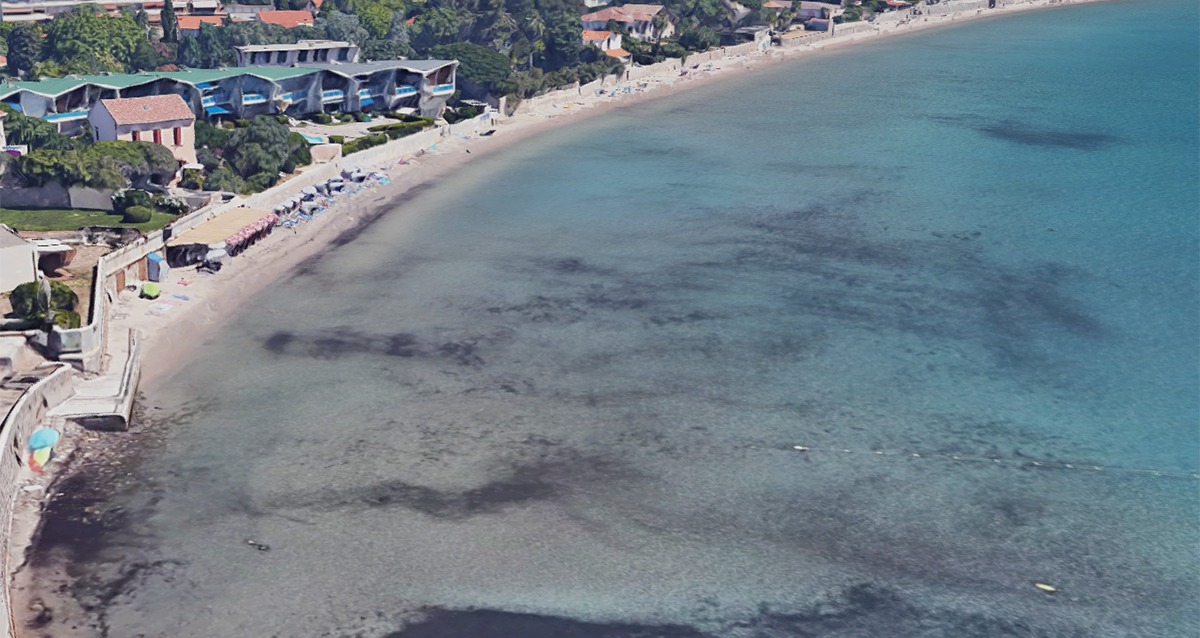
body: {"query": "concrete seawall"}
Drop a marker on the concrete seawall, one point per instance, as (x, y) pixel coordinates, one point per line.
(55, 385)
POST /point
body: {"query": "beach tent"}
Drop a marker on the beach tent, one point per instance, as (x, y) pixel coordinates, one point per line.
(18, 260)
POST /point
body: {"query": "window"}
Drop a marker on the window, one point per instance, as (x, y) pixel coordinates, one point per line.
(343, 54)
(281, 57)
(178, 136)
(137, 136)
(157, 136)
(304, 56)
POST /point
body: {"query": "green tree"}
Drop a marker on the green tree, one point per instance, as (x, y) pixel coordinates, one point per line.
(700, 39)
(261, 147)
(24, 48)
(34, 131)
(87, 40)
(223, 179)
(343, 27)
(477, 64)
(170, 25)
(208, 49)
(376, 19)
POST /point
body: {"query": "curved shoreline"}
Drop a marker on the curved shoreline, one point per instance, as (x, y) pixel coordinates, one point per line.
(281, 253)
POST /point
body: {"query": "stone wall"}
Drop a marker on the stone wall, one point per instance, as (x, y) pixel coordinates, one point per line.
(54, 195)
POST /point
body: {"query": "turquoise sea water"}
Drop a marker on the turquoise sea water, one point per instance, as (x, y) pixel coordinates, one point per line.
(559, 396)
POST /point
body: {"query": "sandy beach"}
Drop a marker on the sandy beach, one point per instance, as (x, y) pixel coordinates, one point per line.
(170, 337)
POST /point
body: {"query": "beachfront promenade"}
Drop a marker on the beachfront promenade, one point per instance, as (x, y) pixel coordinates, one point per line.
(105, 356)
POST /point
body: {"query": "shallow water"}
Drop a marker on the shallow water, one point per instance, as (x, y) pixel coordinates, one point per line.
(560, 398)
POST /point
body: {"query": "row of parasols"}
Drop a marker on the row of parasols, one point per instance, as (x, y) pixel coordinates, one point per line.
(250, 233)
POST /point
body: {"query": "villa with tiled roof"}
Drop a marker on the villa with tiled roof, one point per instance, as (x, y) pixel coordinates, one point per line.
(637, 18)
(162, 119)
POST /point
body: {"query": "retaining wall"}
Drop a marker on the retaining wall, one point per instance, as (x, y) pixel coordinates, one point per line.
(54, 195)
(18, 424)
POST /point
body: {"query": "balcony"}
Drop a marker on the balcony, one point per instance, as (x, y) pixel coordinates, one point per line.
(405, 91)
(332, 96)
(439, 90)
(253, 98)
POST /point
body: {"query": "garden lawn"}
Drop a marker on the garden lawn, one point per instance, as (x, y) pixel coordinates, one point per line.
(74, 219)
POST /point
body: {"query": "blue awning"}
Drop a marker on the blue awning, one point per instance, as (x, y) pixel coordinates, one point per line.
(216, 110)
(365, 101)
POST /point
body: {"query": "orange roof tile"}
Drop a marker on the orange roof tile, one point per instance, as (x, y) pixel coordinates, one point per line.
(192, 23)
(627, 13)
(148, 110)
(617, 53)
(289, 19)
(595, 35)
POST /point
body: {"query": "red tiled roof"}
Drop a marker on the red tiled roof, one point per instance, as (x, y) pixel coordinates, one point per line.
(588, 36)
(627, 13)
(617, 53)
(3, 60)
(287, 19)
(774, 4)
(192, 23)
(148, 110)
(411, 20)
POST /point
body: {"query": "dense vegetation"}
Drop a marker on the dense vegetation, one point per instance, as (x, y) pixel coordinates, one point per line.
(247, 158)
(517, 47)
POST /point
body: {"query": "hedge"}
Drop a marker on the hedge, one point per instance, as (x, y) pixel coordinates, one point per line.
(363, 143)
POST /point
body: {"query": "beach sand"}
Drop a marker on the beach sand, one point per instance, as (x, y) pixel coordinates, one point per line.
(171, 334)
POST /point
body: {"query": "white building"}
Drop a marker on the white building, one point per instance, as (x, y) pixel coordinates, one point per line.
(162, 119)
(607, 41)
(637, 18)
(303, 52)
(18, 260)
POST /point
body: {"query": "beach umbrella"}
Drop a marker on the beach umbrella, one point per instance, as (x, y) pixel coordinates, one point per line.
(43, 439)
(38, 459)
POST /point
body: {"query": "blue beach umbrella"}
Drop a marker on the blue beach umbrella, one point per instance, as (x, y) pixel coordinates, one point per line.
(43, 438)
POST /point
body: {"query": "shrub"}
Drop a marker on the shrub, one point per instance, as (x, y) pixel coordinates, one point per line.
(223, 179)
(321, 118)
(337, 139)
(363, 143)
(171, 205)
(259, 182)
(345, 117)
(193, 179)
(67, 319)
(138, 214)
(130, 197)
(25, 303)
(241, 123)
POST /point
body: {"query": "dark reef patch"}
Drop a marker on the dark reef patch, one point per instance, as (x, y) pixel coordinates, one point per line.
(490, 623)
(519, 484)
(1017, 133)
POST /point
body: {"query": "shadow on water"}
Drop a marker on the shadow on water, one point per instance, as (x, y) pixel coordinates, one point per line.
(860, 610)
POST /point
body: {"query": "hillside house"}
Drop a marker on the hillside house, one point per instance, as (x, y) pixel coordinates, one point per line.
(162, 119)
(637, 18)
